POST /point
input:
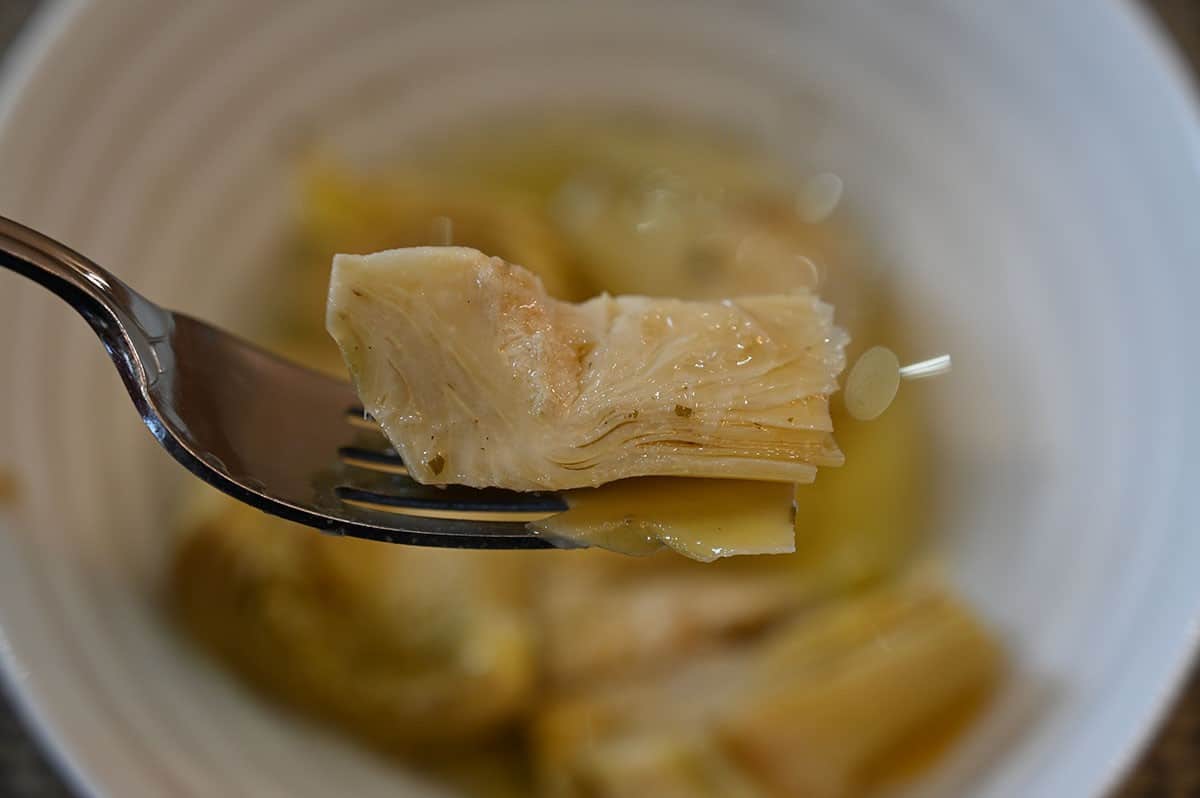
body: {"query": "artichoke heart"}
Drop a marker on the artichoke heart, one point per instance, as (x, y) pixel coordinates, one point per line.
(478, 377)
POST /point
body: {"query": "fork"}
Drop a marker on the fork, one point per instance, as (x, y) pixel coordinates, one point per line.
(276, 435)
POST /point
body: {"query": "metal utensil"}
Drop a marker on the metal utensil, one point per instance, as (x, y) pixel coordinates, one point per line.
(278, 436)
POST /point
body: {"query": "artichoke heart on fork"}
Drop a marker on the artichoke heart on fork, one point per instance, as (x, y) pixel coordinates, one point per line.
(479, 378)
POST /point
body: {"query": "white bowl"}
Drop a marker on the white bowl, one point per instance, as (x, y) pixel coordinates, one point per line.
(1031, 169)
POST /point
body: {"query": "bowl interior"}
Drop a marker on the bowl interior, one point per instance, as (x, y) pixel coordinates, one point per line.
(1033, 219)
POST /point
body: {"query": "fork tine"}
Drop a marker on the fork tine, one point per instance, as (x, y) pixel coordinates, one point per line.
(386, 462)
(454, 497)
(357, 417)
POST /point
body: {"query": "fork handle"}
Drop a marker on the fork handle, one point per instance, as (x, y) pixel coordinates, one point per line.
(126, 322)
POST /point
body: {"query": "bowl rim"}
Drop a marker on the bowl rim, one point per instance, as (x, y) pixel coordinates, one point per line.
(1179, 85)
(28, 53)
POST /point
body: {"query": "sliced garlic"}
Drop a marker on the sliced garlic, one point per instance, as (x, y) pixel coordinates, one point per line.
(872, 383)
(933, 367)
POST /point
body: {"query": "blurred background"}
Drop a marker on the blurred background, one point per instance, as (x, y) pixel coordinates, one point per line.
(1170, 768)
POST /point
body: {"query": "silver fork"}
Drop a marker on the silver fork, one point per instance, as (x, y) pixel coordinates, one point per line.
(276, 435)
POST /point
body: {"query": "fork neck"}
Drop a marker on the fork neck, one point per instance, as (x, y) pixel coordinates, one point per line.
(126, 322)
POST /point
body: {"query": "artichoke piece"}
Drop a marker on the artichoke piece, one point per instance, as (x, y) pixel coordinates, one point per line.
(666, 765)
(824, 707)
(837, 695)
(593, 630)
(341, 628)
(586, 742)
(703, 519)
(480, 378)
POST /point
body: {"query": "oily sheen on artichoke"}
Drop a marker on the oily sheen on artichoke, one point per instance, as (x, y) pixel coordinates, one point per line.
(478, 377)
